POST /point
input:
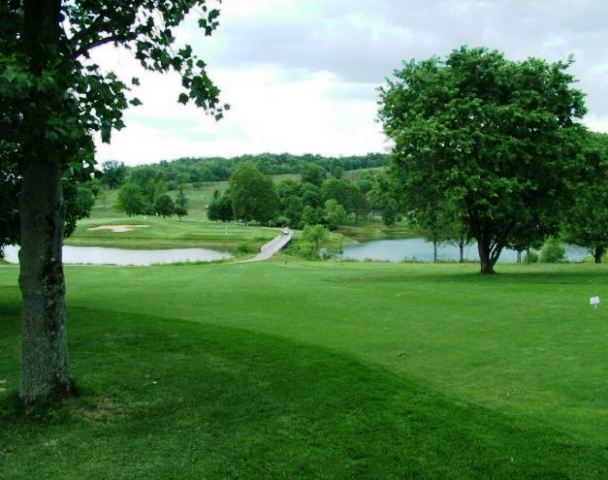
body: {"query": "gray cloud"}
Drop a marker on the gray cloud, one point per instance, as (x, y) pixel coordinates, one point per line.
(363, 41)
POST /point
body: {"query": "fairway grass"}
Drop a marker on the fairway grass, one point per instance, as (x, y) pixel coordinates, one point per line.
(170, 233)
(293, 369)
(193, 230)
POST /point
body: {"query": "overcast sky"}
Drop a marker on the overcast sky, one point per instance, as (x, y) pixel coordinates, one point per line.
(302, 75)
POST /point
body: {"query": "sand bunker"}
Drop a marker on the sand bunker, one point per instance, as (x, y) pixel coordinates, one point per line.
(117, 228)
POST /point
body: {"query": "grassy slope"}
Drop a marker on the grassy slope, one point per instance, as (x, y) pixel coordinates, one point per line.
(192, 231)
(195, 230)
(320, 370)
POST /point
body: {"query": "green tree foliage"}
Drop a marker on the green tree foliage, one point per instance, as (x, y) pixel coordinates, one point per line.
(181, 200)
(150, 186)
(252, 194)
(312, 215)
(291, 204)
(181, 203)
(95, 186)
(531, 257)
(304, 203)
(150, 180)
(114, 173)
(53, 98)
(317, 237)
(345, 193)
(553, 251)
(365, 181)
(311, 195)
(220, 208)
(586, 221)
(9, 200)
(494, 137)
(334, 214)
(164, 206)
(294, 209)
(337, 171)
(78, 201)
(180, 212)
(313, 173)
(214, 169)
(132, 200)
(382, 199)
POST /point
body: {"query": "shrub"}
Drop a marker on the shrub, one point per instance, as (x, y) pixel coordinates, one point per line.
(281, 221)
(531, 257)
(246, 248)
(553, 251)
(317, 237)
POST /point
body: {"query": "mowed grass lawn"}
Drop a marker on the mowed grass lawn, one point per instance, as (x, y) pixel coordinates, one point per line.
(319, 370)
(170, 233)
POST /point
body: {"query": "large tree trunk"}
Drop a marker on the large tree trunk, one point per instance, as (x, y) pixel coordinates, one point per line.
(435, 251)
(44, 357)
(597, 254)
(485, 257)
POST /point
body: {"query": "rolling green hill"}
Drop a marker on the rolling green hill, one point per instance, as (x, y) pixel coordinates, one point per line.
(294, 369)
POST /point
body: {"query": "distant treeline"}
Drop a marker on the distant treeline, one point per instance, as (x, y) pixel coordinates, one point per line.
(214, 169)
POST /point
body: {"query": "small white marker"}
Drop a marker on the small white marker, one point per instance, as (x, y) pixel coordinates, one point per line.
(595, 301)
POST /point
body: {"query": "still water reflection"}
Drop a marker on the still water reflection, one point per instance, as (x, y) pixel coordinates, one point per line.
(421, 250)
(121, 256)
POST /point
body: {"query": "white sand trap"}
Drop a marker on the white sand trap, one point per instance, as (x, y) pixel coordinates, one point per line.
(117, 228)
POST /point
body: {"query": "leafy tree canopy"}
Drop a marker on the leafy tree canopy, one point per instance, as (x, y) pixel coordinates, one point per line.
(97, 99)
(497, 138)
(252, 194)
(132, 200)
(313, 173)
(220, 208)
(164, 206)
(214, 169)
(114, 173)
(586, 221)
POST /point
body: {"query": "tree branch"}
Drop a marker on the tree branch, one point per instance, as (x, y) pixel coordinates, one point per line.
(85, 49)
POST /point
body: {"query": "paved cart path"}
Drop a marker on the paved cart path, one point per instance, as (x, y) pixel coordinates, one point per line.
(272, 247)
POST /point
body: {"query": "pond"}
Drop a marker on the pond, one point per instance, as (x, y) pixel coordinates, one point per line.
(121, 256)
(421, 250)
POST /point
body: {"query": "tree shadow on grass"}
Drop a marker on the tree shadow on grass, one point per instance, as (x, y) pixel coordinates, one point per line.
(10, 311)
(556, 277)
(177, 400)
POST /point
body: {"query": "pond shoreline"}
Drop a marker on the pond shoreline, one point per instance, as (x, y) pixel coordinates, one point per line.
(128, 257)
(419, 250)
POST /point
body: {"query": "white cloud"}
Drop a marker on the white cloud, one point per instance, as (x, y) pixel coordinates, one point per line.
(301, 75)
(270, 113)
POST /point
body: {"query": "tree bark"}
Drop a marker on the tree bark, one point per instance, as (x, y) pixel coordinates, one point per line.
(461, 250)
(519, 257)
(44, 355)
(485, 261)
(435, 251)
(598, 252)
